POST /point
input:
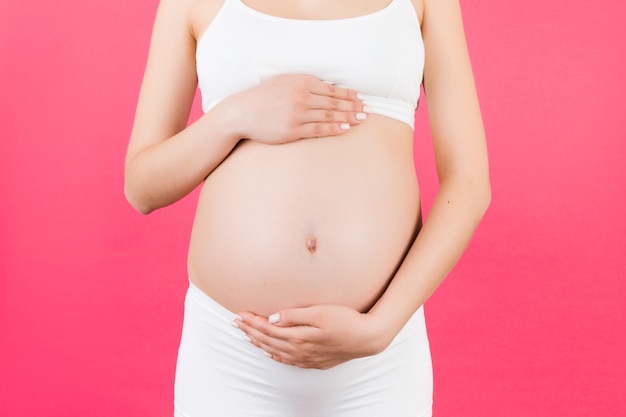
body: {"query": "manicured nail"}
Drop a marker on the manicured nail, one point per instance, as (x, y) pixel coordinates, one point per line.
(360, 96)
(274, 318)
(361, 116)
(367, 109)
(234, 322)
(246, 338)
(329, 82)
(269, 355)
(344, 126)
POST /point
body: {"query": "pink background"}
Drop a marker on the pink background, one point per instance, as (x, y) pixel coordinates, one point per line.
(531, 322)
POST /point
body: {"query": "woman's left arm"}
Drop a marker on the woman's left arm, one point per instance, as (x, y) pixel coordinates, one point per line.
(327, 335)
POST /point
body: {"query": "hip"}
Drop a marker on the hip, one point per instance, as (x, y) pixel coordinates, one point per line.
(220, 374)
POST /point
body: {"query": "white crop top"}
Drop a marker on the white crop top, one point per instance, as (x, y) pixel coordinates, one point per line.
(380, 55)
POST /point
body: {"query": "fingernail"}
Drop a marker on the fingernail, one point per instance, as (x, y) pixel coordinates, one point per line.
(344, 126)
(275, 318)
(234, 322)
(269, 355)
(361, 116)
(329, 82)
(367, 109)
(246, 338)
(360, 96)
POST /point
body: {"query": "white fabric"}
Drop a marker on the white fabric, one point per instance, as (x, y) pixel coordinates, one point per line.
(220, 374)
(380, 54)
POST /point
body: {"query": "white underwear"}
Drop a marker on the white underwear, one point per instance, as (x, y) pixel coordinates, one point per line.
(219, 374)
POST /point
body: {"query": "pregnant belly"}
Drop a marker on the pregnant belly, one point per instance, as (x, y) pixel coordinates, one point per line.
(314, 221)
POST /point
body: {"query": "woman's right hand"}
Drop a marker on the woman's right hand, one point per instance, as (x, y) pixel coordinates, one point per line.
(290, 107)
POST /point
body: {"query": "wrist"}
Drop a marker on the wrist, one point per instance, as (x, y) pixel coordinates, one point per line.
(231, 114)
(379, 334)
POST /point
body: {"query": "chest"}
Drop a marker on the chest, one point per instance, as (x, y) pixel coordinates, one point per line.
(375, 53)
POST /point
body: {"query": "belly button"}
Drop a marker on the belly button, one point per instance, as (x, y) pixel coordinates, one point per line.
(311, 245)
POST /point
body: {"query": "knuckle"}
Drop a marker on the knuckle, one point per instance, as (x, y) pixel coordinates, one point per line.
(334, 103)
(286, 317)
(316, 316)
(299, 97)
(298, 344)
(294, 120)
(317, 129)
(307, 82)
(329, 115)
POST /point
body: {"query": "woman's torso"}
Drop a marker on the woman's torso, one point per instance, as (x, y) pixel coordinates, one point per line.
(314, 221)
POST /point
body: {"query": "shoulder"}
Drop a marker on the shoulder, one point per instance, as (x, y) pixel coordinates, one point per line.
(193, 16)
(418, 5)
(201, 13)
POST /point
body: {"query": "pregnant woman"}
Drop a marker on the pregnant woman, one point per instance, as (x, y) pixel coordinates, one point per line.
(309, 263)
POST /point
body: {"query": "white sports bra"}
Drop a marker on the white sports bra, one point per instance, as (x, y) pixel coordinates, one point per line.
(380, 54)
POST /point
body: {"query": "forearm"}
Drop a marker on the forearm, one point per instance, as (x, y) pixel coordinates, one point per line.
(454, 216)
(167, 171)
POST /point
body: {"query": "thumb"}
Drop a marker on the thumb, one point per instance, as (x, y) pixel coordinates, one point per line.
(305, 316)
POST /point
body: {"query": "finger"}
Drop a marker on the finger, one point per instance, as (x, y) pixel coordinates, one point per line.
(286, 340)
(294, 317)
(294, 359)
(322, 129)
(327, 89)
(258, 328)
(278, 355)
(269, 344)
(330, 116)
(277, 349)
(315, 101)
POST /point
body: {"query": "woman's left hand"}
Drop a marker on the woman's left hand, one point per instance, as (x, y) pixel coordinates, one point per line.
(320, 336)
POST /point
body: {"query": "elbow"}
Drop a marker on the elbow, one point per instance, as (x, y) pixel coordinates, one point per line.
(473, 185)
(482, 195)
(486, 198)
(478, 182)
(141, 205)
(135, 190)
(476, 191)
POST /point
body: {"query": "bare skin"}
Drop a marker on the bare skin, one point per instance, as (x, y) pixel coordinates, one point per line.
(270, 238)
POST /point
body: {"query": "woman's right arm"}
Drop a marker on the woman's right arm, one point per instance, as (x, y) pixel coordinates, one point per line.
(166, 160)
